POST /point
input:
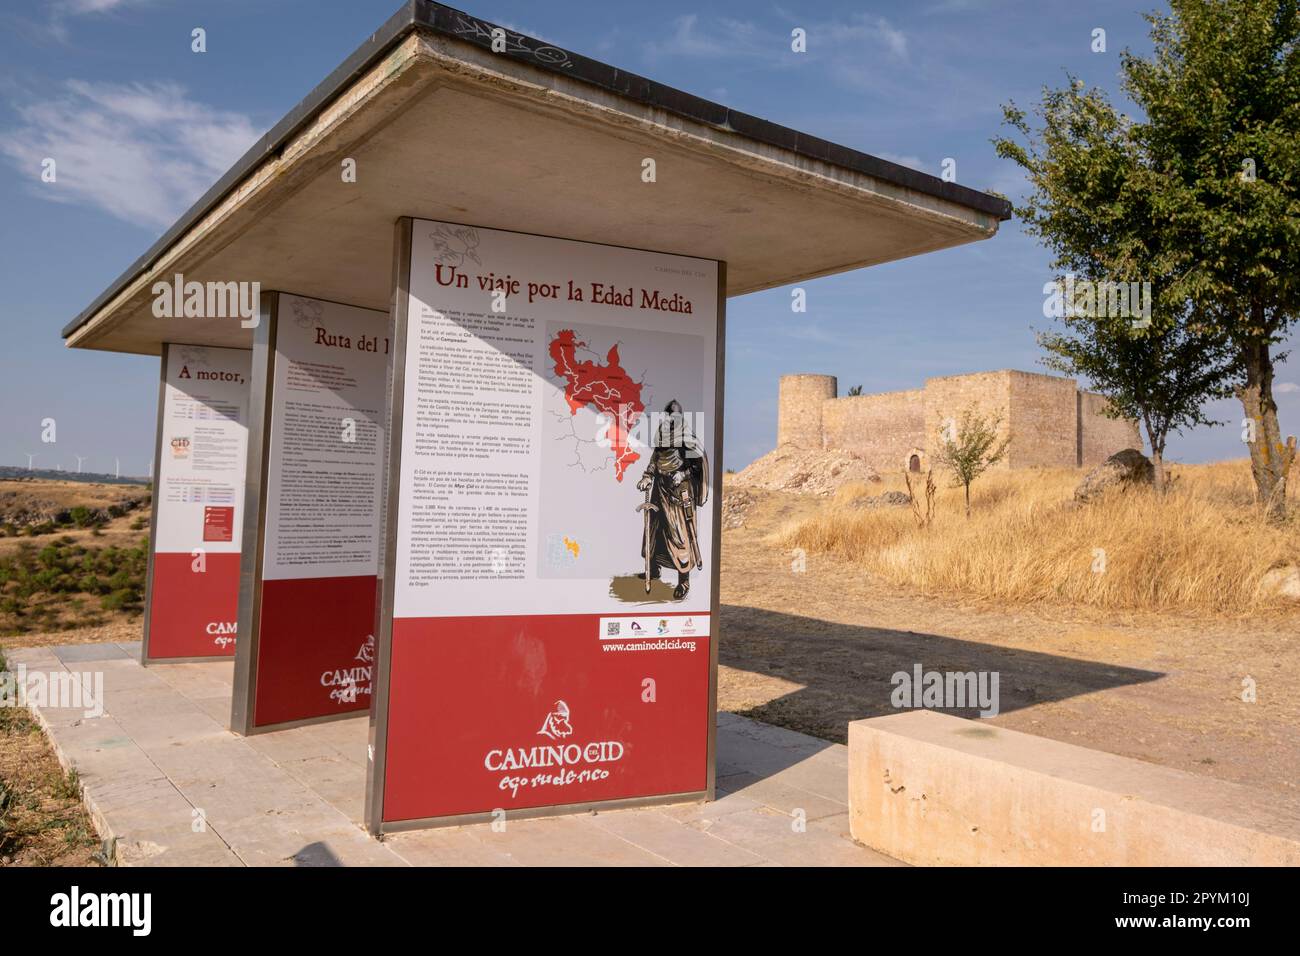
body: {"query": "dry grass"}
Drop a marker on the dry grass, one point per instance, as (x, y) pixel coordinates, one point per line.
(1203, 548)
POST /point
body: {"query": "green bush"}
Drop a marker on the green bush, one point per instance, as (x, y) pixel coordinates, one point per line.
(113, 576)
(119, 600)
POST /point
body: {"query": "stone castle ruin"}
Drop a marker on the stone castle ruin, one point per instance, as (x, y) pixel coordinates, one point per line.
(1052, 422)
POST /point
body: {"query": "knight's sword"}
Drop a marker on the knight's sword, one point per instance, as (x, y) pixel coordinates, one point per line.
(645, 508)
(689, 512)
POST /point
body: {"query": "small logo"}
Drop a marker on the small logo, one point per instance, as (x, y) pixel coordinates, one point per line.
(636, 628)
(180, 448)
(556, 725)
(663, 626)
(367, 653)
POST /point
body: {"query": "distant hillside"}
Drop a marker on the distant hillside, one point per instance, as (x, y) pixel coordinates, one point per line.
(43, 505)
(17, 472)
(73, 553)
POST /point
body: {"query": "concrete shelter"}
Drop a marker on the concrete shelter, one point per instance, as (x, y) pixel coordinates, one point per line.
(444, 119)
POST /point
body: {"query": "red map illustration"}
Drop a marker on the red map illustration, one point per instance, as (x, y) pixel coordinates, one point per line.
(607, 388)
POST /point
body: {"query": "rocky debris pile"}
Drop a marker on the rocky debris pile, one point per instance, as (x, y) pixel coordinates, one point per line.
(807, 471)
(736, 503)
(1123, 469)
(890, 499)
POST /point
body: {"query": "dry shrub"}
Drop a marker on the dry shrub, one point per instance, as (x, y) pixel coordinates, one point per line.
(1203, 547)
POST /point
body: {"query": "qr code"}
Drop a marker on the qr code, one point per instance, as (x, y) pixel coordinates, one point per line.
(611, 628)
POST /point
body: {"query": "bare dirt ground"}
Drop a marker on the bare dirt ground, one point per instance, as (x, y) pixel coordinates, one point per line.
(122, 627)
(814, 650)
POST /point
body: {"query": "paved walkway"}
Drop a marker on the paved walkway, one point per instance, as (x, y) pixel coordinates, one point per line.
(167, 780)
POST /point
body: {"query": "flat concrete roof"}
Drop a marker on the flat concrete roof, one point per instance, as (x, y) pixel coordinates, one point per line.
(535, 139)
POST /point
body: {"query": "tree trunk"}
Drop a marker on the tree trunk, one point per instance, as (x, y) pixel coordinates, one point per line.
(1158, 470)
(968, 501)
(1270, 458)
(1157, 440)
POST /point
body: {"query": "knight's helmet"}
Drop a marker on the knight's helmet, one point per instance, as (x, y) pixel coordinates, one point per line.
(672, 426)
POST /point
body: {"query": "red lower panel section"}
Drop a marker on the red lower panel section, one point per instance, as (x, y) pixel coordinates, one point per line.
(513, 712)
(192, 613)
(315, 648)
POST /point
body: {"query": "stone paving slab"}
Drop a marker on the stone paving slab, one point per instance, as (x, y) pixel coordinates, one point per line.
(166, 779)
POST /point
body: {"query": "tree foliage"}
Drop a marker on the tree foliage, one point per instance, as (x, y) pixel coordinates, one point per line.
(1199, 194)
(971, 447)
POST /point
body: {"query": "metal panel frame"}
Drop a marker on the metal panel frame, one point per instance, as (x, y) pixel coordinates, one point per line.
(145, 659)
(376, 764)
(715, 604)
(377, 750)
(244, 689)
(243, 697)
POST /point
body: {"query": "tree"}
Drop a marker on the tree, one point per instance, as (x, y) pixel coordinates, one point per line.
(1203, 190)
(1160, 376)
(855, 390)
(1127, 327)
(971, 448)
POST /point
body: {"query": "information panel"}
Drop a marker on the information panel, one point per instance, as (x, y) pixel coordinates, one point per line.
(553, 559)
(323, 458)
(193, 592)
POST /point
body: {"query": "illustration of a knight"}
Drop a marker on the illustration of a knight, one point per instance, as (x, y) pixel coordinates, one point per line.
(676, 485)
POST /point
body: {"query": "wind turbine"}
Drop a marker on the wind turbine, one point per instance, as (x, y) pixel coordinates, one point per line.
(80, 459)
(117, 467)
(31, 458)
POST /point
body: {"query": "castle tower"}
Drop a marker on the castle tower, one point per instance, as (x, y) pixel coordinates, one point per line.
(799, 409)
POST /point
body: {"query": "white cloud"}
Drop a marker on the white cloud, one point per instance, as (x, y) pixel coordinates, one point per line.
(861, 52)
(61, 11)
(93, 6)
(725, 38)
(141, 152)
(1285, 388)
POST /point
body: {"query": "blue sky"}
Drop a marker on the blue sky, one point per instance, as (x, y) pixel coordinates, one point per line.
(141, 126)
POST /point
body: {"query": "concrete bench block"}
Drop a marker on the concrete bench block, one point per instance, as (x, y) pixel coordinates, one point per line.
(930, 788)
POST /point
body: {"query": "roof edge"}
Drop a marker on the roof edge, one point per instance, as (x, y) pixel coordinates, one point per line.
(441, 20)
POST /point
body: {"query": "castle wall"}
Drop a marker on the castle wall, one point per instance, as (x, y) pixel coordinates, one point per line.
(1044, 414)
(883, 429)
(1052, 424)
(948, 396)
(799, 409)
(1102, 436)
